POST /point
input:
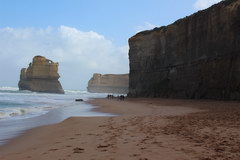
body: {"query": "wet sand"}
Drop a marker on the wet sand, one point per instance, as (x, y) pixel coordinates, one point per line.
(12, 128)
(146, 129)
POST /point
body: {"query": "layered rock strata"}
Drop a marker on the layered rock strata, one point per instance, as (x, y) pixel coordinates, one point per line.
(108, 83)
(195, 57)
(41, 76)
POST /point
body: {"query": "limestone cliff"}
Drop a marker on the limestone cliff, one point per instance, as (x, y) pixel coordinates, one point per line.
(108, 83)
(195, 57)
(41, 76)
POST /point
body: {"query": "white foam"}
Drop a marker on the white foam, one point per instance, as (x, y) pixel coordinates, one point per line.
(75, 92)
(8, 89)
(15, 104)
(21, 112)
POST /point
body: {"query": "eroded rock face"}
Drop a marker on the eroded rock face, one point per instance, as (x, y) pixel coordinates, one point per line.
(108, 83)
(195, 57)
(41, 76)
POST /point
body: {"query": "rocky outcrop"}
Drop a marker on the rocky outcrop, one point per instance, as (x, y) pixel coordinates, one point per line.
(195, 57)
(108, 83)
(41, 76)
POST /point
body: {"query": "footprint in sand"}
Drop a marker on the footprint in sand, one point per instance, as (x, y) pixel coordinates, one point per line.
(102, 126)
(104, 150)
(78, 150)
(57, 142)
(54, 149)
(103, 146)
(77, 134)
(135, 155)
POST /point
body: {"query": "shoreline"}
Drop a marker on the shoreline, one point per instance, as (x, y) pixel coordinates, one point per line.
(148, 128)
(12, 128)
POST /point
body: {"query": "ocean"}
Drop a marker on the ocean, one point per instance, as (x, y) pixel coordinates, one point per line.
(22, 110)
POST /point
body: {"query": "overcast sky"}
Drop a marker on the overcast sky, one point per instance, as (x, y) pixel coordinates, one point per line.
(84, 36)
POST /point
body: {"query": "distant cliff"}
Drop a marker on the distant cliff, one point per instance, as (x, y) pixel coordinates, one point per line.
(195, 57)
(108, 83)
(41, 76)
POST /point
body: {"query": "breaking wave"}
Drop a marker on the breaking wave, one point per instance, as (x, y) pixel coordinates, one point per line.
(15, 104)
(21, 113)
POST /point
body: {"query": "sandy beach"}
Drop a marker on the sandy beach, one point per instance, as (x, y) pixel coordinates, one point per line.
(144, 129)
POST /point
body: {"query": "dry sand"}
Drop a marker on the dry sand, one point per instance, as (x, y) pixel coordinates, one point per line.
(146, 129)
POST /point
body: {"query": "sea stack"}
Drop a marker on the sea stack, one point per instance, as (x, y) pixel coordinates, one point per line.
(41, 76)
(197, 57)
(108, 83)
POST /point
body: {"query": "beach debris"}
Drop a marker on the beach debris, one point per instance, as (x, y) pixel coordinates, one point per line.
(79, 100)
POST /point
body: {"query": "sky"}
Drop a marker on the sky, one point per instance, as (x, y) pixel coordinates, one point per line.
(84, 36)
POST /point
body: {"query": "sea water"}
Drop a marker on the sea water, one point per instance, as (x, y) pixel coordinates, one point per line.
(22, 110)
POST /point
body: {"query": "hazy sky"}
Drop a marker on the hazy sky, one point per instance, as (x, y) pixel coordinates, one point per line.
(84, 36)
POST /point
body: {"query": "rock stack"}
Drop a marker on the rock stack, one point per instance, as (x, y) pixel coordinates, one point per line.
(108, 83)
(40, 76)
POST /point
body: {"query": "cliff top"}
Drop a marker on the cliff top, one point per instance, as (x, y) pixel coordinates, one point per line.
(224, 3)
(98, 74)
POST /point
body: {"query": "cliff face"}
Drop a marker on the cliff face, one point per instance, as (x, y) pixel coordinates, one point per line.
(108, 83)
(41, 76)
(195, 57)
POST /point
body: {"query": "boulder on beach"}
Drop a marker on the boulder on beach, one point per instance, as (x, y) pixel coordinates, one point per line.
(79, 100)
